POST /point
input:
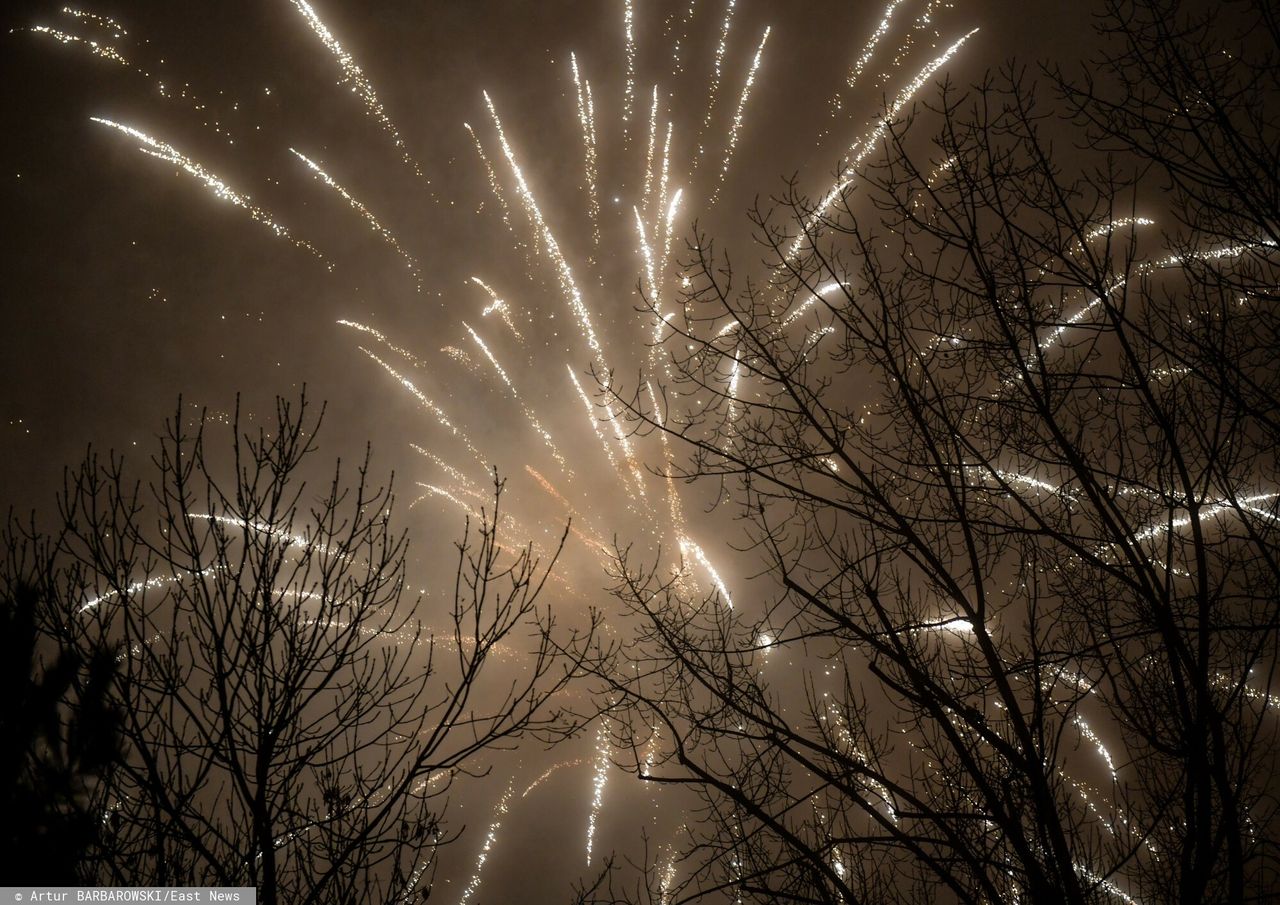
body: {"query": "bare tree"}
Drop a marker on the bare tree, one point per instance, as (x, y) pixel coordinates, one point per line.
(293, 722)
(58, 741)
(1006, 456)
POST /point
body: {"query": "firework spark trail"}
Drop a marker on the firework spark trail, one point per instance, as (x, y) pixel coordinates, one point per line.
(145, 585)
(494, 185)
(812, 301)
(595, 426)
(668, 878)
(587, 119)
(467, 485)
(677, 64)
(429, 405)
(921, 23)
(435, 490)
(716, 72)
(570, 288)
(689, 548)
(97, 48)
(380, 337)
(547, 240)
(594, 540)
(460, 357)
(629, 50)
(511, 527)
(1145, 268)
(646, 250)
(293, 540)
(386, 234)
(351, 72)
(106, 23)
(115, 55)
(1111, 226)
(882, 28)
(678, 524)
(498, 304)
(1240, 505)
(546, 774)
(500, 813)
(490, 838)
(1087, 731)
(598, 781)
(868, 51)
(664, 179)
(660, 319)
(862, 148)
(528, 413)
(653, 147)
(736, 126)
(215, 184)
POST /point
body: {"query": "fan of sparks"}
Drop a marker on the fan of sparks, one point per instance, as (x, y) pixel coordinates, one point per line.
(651, 157)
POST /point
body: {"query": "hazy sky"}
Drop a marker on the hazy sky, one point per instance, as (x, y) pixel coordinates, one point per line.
(127, 282)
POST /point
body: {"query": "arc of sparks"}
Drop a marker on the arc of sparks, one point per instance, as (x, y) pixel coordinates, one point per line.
(736, 127)
(352, 73)
(862, 148)
(386, 234)
(168, 153)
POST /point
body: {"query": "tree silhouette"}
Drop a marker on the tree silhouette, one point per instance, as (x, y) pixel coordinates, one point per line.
(1006, 457)
(60, 737)
(293, 722)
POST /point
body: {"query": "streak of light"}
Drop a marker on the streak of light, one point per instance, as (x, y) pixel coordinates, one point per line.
(465, 483)
(677, 64)
(651, 295)
(490, 839)
(1087, 731)
(494, 185)
(570, 287)
(145, 585)
(515, 395)
(428, 404)
(736, 127)
(590, 165)
(386, 234)
(548, 241)
(822, 293)
(360, 84)
(649, 155)
(869, 49)
(168, 153)
(862, 148)
(717, 69)
(97, 48)
(1110, 227)
(598, 780)
(380, 337)
(671, 218)
(663, 183)
(595, 424)
(102, 21)
(546, 774)
(629, 50)
(294, 540)
(500, 306)
(1243, 504)
(689, 548)
(593, 540)
(434, 490)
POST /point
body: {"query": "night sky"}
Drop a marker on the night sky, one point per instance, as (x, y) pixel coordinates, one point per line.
(127, 283)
